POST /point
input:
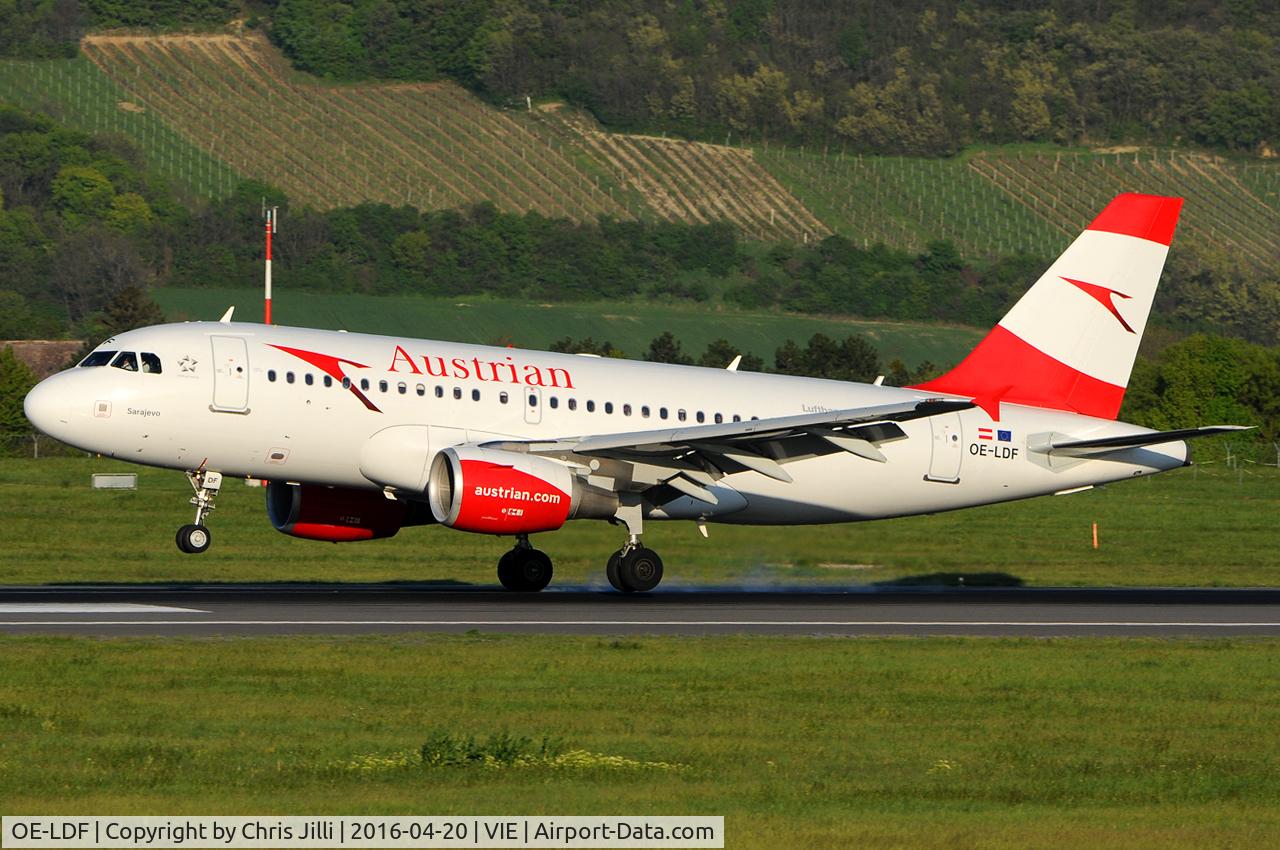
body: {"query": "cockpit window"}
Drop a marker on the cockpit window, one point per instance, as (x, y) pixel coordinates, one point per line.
(150, 363)
(98, 358)
(127, 361)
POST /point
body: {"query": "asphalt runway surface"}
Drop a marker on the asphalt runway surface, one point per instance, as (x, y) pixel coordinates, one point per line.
(268, 609)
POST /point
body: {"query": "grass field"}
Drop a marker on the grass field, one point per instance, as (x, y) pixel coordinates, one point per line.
(1203, 526)
(629, 326)
(799, 742)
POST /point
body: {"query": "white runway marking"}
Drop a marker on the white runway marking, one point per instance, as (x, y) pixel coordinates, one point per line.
(813, 623)
(91, 608)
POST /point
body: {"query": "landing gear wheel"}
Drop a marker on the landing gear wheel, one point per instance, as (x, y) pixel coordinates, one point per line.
(524, 570)
(611, 572)
(638, 571)
(193, 539)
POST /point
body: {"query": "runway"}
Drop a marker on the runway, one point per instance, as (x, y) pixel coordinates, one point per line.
(270, 609)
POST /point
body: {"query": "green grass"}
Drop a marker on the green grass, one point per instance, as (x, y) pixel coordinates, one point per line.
(798, 742)
(628, 325)
(1202, 526)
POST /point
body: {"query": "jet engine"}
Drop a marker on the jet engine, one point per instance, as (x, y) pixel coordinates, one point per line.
(492, 491)
(338, 514)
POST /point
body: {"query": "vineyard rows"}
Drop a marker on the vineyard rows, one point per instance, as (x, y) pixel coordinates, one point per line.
(78, 94)
(430, 145)
(999, 203)
(210, 110)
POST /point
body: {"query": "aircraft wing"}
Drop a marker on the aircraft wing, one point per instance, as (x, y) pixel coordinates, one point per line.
(1057, 444)
(688, 457)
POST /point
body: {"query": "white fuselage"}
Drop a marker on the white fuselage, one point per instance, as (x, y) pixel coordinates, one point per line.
(229, 397)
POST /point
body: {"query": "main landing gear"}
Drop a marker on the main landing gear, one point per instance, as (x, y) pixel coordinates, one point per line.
(633, 568)
(524, 569)
(195, 538)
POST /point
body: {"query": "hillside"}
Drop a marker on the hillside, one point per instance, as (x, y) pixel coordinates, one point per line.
(431, 145)
(208, 110)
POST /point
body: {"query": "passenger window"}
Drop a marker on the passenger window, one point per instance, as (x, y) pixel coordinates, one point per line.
(626, 410)
(150, 363)
(719, 419)
(662, 413)
(127, 361)
(608, 407)
(702, 417)
(364, 383)
(554, 402)
(737, 418)
(591, 406)
(439, 392)
(402, 388)
(328, 381)
(644, 411)
(271, 375)
(573, 404)
(503, 397)
(533, 399)
(382, 386)
(288, 377)
(457, 393)
(346, 383)
(421, 389)
(475, 395)
(98, 358)
(681, 415)
(308, 379)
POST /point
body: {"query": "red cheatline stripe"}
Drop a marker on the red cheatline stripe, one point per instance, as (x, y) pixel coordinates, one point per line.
(1151, 217)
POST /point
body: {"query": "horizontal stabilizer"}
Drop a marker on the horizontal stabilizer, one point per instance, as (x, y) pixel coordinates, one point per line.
(1129, 441)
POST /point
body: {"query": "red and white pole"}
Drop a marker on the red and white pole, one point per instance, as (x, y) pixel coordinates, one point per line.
(270, 229)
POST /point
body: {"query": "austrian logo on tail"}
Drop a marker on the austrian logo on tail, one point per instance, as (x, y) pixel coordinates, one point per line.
(1104, 297)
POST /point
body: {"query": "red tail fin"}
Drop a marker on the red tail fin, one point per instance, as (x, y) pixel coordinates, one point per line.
(1070, 342)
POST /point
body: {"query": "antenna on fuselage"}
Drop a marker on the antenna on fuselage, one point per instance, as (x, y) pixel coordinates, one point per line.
(269, 217)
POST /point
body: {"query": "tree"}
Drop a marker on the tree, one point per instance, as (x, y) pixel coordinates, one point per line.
(82, 193)
(131, 308)
(587, 345)
(129, 212)
(16, 380)
(665, 348)
(90, 267)
(720, 353)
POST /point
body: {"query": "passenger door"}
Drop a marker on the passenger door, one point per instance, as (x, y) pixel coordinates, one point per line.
(948, 448)
(230, 374)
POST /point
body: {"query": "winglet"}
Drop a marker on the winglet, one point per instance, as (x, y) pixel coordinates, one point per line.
(226, 317)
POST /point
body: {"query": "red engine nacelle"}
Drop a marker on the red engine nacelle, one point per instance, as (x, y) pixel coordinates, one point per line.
(337, 514)
(499, 492)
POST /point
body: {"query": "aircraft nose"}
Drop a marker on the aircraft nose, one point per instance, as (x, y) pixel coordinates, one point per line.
(46, 407)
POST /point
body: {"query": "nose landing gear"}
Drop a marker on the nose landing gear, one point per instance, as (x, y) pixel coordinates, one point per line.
(194, 538)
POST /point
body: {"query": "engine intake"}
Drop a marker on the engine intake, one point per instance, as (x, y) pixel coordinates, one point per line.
(491, 491)
(338, 514)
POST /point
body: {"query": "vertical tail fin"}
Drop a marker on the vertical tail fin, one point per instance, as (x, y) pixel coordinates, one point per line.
(1070, 341)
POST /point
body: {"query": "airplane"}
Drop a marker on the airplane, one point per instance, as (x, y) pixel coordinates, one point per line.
(361, 435)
